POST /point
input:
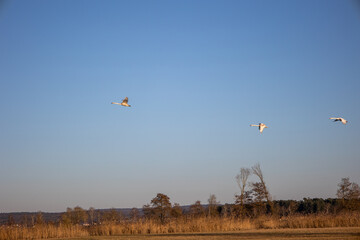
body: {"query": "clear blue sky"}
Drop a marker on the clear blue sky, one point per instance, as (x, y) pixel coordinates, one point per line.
(197, 74)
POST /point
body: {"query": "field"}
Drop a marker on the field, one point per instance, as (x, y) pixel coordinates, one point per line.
(294, 234)
(341, 226)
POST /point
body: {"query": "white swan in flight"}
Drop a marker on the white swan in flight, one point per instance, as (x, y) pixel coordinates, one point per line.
(124, 102)
(261, 126)
(339, 119)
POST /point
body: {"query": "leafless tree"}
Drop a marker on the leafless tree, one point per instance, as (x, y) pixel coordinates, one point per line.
(212, 206)
(25, 220)
(355, 191)
(264, 191)
(32, 220)
(241, 180)
(39, 218)
(11, 220)
(134, 214)
(91, 213)
(66, 218)
(112, 216)
(225, 210)
(147, 210)
(73, 216)
(344, 188)
(349, 193)
(197, 210)
(79, 215)
(176, 211)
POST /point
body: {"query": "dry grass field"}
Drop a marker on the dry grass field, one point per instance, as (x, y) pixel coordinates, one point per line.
(279, 234)
(342, 226)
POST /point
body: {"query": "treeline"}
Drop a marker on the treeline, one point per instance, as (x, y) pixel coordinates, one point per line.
(253, 208)
(161, 210)
(254, 200)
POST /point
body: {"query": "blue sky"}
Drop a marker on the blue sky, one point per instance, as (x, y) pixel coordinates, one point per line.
(197, 74)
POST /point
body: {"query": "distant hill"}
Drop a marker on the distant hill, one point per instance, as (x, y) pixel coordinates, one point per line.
(18, 216)
(55, 217)
(50, 217)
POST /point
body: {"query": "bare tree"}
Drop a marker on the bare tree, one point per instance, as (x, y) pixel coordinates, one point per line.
(176, 211)
(354, 191)
(79, 215)
(241, 180)
(344, 188)
(225, 210)
(25, 220)
(66, 217)
(212, 205)
(134, 214)
(349, 193)
(148, 211)
(112, 215)
(91, 213)
(197, 210)
(73, 216)
(32, 220)
(258, 192)
(98, 216)
(39, 218)
(259, 199)
(257, 171)
(11, 220)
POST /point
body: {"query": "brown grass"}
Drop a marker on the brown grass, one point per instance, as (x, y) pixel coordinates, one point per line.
(180, 226)
(41, 232)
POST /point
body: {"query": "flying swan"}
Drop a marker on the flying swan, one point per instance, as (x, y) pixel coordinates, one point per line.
(339, 119)
(124, 102)
(261, 126)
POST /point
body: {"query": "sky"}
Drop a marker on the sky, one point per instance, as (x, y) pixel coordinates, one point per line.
(197, 74)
